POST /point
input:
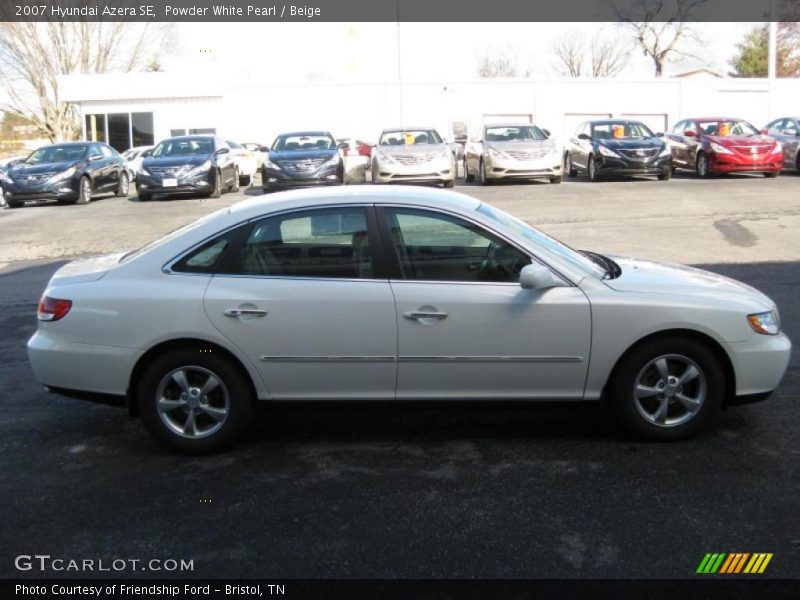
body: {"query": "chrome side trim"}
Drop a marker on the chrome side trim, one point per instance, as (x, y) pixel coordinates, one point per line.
(492, 359)
(339, 359)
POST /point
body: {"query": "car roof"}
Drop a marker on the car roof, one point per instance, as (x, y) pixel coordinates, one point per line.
(362, 194)
(191, 137)
(510, 125)
(305, 133)
(714, 119)
(425, 127)
(607, 121)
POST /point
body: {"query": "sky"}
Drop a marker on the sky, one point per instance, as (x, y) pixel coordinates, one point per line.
(368, 52)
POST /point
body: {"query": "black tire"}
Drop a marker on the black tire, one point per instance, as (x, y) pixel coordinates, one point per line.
(629, 371)
(245, 180)
(770, 174)
(145, 196)
(84, 190)
(14, 204)
(557, 179)
(124, 186)
(232, 385)
(468, 177)
(701, 165)
(797, 164)
(217, 191)
(448, 184)
(482, 174)
(234, 186)
(594, 176)
(571, 171)
(374, 174)
(666, 176)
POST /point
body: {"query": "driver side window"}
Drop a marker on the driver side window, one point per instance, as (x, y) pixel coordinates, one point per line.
(433, 246)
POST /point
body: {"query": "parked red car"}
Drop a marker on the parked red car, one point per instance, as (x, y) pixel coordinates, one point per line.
(722, 145)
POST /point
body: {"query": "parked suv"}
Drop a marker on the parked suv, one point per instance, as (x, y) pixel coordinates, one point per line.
(197, 164)
(68, 173)
(722, 145)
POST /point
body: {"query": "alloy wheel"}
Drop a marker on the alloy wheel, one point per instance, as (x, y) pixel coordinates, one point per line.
(85, 190)
(702, 165)
(670, 390)
(124, 184)
(192, 402)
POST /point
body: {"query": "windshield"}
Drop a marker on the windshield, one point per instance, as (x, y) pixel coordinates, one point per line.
(621, 130)
(53, 154)
(551, 245)
(727, 127)
(410, 137)
(312, 141)
(524, 133)
(172, 235)
(184, 147)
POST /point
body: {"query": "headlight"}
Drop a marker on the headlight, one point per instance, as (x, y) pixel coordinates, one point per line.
(268, 164)
(333, 160)
(384, 157)
(496, 153)
(446, 153)
(778, 148)
(607, 151)
(665, 151)
(63, 175)
(719, 148)
(765, 323)
(143, 171)
(5, 177)
(199, 170)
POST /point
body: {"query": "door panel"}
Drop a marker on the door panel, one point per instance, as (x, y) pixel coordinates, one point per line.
(496, 341)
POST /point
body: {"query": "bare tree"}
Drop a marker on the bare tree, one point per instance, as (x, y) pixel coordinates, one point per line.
(497, 62)
(569, 51)
(660, 28)
(34, 55)
(598, 56)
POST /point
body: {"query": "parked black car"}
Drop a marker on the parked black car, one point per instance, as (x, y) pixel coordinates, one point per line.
(609, 147)
(193, 164)
(68, 173)
(302, 159)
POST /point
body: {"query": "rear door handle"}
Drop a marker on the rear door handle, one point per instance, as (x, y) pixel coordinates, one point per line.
(244, 312)
(418, 314)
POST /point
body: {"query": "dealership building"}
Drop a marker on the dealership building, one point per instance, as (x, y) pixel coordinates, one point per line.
(140, 109)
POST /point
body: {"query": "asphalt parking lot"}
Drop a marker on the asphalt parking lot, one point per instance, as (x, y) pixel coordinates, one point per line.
(415, 490)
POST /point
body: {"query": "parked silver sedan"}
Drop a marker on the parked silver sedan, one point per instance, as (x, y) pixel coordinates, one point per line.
(384, 293)
(787, 131)
(413, 154)
(513, 152)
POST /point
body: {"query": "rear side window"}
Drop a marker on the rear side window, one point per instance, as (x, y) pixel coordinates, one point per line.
(205, 258)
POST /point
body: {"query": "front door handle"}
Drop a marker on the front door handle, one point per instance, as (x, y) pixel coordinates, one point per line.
(419, 314)
(244, 312)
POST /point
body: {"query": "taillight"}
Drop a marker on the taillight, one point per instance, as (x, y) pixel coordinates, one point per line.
(53, 309)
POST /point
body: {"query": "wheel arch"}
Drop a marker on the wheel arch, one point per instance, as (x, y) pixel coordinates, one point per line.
(692, 334)
(182, 344)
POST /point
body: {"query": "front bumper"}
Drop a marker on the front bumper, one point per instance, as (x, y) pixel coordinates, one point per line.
(509, 168)
(279, 178)
(612, 165)
(759, 365)
(732, 163)
(434, 171)
(154, 184)
(64, 190)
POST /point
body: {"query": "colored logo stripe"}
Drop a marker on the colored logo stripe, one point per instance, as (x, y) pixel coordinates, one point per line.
(734, 563)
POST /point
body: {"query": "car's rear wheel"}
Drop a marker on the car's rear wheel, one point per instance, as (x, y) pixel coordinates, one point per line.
(194, 401)
(84, 190)
(702, 165)
(124, 185)
(467, 175)
(667, 388)
(593, 170)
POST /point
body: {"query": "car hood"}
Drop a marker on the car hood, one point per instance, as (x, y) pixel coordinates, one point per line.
(190, 160)
(625, 143)
(413, 149)
(26, 169)
(86, 269)
(742, 140)
(301, 154)
(529, 146)
(648, 276)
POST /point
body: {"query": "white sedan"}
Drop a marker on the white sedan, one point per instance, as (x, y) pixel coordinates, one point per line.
(384, 293)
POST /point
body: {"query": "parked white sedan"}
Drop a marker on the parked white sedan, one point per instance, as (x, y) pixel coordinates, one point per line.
(386, 293)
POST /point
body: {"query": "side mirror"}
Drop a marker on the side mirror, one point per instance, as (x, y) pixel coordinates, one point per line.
(263, 149)
(147, 153)
(660, 134)
(537, 277)
(546, 132)
(690, 133)
(343, 146)
(222, 151)
(584, 136)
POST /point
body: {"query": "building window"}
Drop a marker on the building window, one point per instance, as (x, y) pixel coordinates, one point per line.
(119, 131)
(142, 129)
(96, 128)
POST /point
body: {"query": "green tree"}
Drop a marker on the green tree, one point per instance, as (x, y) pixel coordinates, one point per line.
(752, 53)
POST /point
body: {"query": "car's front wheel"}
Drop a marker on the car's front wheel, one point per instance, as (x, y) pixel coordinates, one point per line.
(124, 185)
(667, 389)
(194, 401)
(594, 175)
(702, 165)
(467, 175)
(84, 190)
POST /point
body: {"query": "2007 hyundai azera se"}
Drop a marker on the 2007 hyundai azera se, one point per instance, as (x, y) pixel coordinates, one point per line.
(383, 293)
